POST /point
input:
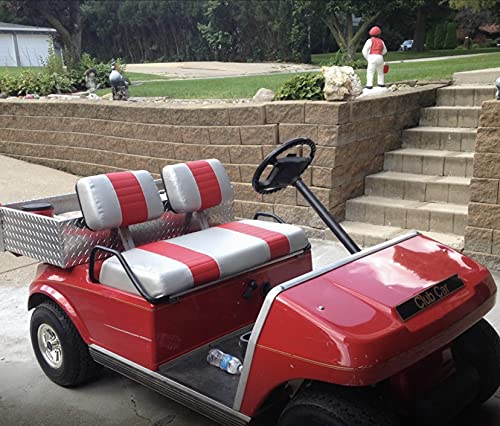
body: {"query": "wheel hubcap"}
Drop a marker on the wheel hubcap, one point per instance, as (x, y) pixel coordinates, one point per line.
(50, 345)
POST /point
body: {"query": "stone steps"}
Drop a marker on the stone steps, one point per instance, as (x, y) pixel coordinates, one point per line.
(367, 235)
(467, 95)
(440, 138)
(429, 162)
(409, 214)
(450, 116)
(418, 187)
(425, 185)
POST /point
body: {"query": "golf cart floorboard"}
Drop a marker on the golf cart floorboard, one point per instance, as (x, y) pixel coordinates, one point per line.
(193, 370)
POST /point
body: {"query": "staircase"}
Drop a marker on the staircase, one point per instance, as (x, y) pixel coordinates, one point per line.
(425, 185)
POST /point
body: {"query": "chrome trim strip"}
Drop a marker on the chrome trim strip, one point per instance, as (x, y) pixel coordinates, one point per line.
(266, 307)
(169, 388)
(2, 243)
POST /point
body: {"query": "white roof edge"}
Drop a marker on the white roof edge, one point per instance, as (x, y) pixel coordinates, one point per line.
(25, 28)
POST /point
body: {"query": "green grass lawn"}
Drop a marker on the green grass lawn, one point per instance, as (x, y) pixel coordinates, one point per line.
(140, 76)
(324, 58)
(245, 87)
(215, 88)
(18, 70)
(434, 70)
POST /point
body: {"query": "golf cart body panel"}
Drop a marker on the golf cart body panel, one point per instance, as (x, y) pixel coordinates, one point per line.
(343, 327)
(150, 289)
(151, 335)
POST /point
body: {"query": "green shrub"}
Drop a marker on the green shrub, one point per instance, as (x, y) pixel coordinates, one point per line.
(440, 36)
(35, 83)
(341, 59)
(54, 78)
(429, 39)
(450, 41)
(54, 63)
(303, 86)
(77, 72)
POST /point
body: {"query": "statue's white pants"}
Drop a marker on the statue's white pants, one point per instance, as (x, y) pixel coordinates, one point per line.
(375, 63)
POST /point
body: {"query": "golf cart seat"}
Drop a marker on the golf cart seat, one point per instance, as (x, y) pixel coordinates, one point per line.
(167, 267)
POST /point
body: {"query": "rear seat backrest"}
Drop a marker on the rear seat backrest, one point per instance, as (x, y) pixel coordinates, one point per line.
(196, 185)
(117, 200)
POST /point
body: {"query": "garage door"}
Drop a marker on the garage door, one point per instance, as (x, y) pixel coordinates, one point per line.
(33, 49)
(7, 52)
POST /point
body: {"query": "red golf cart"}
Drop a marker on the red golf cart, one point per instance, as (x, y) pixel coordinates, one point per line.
(146, 277)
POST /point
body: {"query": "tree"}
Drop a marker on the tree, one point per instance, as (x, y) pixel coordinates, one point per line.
(338, 17)
(63, 15)
(450, 41)
(429, 39)
(440, 36)
(475, 5)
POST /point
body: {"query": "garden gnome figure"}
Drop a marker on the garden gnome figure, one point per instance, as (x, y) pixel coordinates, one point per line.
(90, 80)
(374, 51)
(118, 84)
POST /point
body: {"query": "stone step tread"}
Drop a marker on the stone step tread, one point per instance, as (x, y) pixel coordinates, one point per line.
(384, 232)
(418, 152)
(411, 204)
(442, 129)
(483, 87)
(390, 175)
(454, 108)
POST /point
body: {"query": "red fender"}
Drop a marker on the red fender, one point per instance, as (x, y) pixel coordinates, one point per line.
(39, 288)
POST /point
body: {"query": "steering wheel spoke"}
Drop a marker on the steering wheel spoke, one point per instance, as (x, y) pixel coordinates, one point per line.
(286, 169)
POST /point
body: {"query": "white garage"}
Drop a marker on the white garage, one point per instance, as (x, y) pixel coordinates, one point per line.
(7, 51)
(24, 46)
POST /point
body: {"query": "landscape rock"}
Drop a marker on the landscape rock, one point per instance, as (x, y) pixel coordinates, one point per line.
(341, 83)
(264, 95)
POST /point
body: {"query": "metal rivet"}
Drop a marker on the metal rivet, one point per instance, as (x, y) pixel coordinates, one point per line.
(321, 308)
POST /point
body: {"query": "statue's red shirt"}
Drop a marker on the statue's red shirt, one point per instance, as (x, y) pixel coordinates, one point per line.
(377, 46)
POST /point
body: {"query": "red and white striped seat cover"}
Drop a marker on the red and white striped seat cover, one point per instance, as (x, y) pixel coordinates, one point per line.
(181, 263)
(196, 185)
(178, 264)
(119, 199)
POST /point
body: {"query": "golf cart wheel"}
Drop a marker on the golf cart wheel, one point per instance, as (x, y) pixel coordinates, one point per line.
(59, 349)
(328, 405)
(479, 346)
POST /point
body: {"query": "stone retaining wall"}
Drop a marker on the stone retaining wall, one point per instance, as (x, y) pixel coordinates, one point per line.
(86, 138)
(482, 235)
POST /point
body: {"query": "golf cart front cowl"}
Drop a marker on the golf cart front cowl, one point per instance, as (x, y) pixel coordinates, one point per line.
(344, 326)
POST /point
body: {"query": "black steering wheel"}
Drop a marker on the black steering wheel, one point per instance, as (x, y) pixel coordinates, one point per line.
(286, 170)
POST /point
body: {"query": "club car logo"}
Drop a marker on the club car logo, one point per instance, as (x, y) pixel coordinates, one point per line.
(428, 297)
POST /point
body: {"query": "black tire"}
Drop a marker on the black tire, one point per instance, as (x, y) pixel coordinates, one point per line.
(75, 365)
(330, 405)
(479, 346)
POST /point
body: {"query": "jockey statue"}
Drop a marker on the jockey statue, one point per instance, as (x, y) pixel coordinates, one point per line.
(374, 51)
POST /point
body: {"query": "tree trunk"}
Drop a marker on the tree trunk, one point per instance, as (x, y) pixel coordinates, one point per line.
(349, 43)
(419, 36)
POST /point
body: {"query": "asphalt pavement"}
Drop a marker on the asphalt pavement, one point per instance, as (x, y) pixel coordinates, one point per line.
(28, 397)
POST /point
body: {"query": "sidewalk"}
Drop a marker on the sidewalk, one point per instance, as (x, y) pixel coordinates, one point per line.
(26, 393)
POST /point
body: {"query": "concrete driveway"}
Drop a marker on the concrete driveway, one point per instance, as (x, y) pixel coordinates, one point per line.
(27, 397)
(207, 69)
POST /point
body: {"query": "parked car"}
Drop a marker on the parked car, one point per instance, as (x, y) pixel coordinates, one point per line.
(406, 45)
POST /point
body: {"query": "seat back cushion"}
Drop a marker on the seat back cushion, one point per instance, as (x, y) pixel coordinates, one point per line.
(119, 199)
(196, 185)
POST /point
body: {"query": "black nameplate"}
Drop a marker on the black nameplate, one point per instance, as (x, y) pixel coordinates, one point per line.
(428, 297)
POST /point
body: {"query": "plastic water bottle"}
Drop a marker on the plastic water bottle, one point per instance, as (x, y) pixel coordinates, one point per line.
(224, 361)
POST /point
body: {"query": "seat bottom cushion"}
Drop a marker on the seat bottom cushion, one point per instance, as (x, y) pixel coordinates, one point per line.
(178, 264)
